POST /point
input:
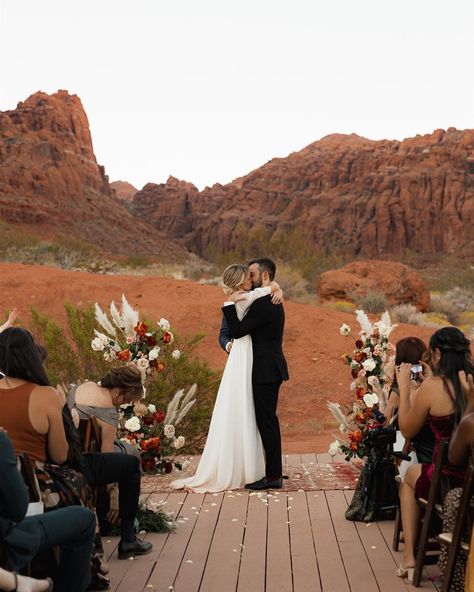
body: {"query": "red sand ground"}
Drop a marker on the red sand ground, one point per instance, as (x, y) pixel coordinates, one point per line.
(313, 345)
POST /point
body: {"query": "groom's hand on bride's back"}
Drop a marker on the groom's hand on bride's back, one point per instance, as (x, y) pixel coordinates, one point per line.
(277, 297)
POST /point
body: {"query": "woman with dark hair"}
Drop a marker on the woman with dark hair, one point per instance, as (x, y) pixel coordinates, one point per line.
(411, 350)
(31, 408)
(440, 400)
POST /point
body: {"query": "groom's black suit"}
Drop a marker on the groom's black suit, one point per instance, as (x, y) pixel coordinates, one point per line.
(264, 322)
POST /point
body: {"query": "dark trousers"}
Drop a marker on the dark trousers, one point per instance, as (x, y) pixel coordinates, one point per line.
(114, 467)
(72, 529)
(265, 398)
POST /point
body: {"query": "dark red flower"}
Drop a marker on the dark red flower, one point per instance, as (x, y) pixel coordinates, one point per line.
(360, 392)
(166, 337)
(359, 343)
(158, 416)
(151, 340)
(354, 372)
(148, 464)
(360, 356)
(168, 467)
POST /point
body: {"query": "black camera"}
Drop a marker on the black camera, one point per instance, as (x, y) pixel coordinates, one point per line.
(381, 437)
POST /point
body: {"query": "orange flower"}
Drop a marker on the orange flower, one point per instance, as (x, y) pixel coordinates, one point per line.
(160, 367)
(360, 418)
(354, 446)
(123, 355)
(355, 436)
(360, 392)
(167, 337)
(141, 329)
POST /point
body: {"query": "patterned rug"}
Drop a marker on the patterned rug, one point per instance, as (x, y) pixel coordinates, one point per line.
(307, 477)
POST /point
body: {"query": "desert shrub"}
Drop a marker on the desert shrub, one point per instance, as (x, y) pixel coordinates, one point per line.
(434, 319)
(448, 271)
(372, 302)
(406, 313)
(461, 299)
(439, 304)
(341, 305)
(71, 360)
(291, 248)
(466, 322)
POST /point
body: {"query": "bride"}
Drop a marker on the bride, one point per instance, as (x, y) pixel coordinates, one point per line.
(233, 455)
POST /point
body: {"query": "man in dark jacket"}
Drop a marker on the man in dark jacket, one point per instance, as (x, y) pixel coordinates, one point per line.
(72, 528)
(265, 323)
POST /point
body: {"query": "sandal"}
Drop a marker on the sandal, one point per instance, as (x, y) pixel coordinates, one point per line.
(405, 572)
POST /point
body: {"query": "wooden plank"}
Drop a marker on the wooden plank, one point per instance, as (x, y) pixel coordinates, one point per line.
(190, 574)
(324, 458)
(303, 555)
(355, 560)
(309, 459)
(222, 568)
(124, 575)
(254, 551)
(170, 558)
(331, 568)
(294, 460)
(279, 572)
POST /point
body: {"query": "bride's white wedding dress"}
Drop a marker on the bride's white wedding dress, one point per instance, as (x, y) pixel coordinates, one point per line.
(233, 455)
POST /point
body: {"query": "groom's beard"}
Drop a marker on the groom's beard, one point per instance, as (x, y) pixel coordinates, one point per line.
(256, 284)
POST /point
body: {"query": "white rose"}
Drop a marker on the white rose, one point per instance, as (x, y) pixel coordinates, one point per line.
(164, 324)
(97, 344)
(353, 385)
(179, 442)
(126, 405)
(176, 354)
(369, 364)
(334, 448)
(185, 465)
(169, 430)
(151, 408)
(370, 399)
(142, 364)
(108, 356)
(153, 354)
(345, 330)
(133, 424)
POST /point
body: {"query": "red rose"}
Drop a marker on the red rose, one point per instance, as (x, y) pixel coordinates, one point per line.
(168, 467)
(158, 416)
(141, 329)
(151, 340)
(360, 356)
(354, 372)
(359, 343)
(148, 465)
(123, 355)
(166, 337)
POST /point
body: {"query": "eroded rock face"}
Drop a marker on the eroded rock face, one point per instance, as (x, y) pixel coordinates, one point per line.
(51, 182)
(399, 283)
(345, 193)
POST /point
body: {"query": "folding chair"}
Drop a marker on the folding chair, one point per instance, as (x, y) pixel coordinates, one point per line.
(464, 520)
(91, 434)
(431, 511)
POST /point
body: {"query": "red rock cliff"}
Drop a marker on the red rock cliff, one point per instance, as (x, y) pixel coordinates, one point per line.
(360, 197)
(50, 179)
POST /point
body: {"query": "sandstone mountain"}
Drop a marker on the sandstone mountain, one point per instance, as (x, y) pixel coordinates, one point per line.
(124, 191)
(344, 193)
(51, 184)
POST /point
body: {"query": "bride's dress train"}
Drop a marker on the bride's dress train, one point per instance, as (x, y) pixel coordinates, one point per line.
(233, 455)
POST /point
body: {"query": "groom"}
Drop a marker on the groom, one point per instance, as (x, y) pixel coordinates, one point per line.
(265, 322)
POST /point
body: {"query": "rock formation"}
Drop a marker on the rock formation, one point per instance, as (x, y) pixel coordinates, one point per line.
(124, 191)
(344, 193)
(399, 283)
(51, 184)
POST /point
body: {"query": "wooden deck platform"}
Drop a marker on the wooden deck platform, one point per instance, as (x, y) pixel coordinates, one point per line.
(281, 541)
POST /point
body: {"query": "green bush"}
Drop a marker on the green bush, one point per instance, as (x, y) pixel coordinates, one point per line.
(71, 360)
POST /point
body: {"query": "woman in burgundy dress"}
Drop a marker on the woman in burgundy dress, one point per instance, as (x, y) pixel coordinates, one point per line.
(441, 402)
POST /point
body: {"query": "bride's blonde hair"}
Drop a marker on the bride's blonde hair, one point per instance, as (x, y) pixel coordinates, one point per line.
(233, 277)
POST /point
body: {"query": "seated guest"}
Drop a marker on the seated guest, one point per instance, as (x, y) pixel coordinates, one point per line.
(410, 350)
(35, 425)
(72, 529)
(460, 448)
(440, 401)
(120, 386)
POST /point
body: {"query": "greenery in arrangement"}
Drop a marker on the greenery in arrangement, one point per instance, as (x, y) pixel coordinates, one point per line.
(71, 360)
(150, 519)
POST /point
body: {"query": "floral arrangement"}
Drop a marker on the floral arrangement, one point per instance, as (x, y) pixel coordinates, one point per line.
(154, 432)
(128, 340)
(371, 365)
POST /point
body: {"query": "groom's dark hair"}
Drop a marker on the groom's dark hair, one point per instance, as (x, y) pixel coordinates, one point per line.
(266, 265)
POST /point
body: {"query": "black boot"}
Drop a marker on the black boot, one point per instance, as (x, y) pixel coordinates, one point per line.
(136, 547)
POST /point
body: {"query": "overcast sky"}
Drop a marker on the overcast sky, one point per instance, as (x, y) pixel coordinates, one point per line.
(208, 90)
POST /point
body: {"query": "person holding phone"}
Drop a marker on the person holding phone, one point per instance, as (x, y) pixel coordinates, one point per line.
(411, 350)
